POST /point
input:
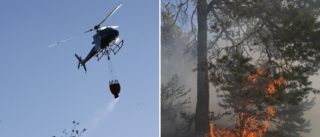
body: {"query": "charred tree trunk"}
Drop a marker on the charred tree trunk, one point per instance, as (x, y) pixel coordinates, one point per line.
(202, 109)
(242, 124)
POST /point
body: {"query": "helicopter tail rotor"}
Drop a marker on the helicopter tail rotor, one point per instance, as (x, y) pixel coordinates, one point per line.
(81, 62)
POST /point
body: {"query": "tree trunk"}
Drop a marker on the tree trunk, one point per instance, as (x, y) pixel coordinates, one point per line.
(202, 108)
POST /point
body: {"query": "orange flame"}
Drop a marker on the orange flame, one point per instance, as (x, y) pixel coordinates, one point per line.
(271, 88)
(247, 125)
(216, 132)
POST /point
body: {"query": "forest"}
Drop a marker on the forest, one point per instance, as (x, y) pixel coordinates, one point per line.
(238, 68)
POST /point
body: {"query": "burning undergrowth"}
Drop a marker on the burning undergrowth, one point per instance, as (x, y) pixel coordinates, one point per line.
(255, 100)
(249, 122)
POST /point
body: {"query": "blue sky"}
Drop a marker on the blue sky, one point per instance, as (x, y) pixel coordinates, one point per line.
(42, 91)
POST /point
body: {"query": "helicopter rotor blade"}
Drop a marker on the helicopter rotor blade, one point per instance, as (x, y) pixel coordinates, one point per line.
(70, 38)
(114, 27)
(95, 28)
(104, 27)
(110, 14)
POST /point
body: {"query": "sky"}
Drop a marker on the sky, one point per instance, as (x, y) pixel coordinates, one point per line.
(42, 91)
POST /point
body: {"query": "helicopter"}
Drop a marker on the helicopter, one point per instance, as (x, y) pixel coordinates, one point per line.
(104, 42)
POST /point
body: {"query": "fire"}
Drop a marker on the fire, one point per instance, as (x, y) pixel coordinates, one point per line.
(215, 132)
(252, 78)
(248, 125)
(271, 88)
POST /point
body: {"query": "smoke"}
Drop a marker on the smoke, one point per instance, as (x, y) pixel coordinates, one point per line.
(175, 60)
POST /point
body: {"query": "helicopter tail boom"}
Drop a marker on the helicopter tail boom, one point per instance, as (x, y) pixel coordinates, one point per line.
(81, 62)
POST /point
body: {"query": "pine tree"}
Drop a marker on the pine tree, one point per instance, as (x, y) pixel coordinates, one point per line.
(284, 34)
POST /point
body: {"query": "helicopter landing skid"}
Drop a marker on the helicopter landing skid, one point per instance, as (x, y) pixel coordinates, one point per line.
(117, 47)
(105, 52)
(114, 50)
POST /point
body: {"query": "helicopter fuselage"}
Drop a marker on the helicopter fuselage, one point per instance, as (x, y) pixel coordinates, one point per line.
(103, 39)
